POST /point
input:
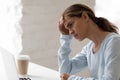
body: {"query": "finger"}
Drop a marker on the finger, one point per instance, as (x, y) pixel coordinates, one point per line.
(61, 20)
(61, 76)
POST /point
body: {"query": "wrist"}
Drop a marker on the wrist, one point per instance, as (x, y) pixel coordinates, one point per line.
(65, 36)
(71, 77)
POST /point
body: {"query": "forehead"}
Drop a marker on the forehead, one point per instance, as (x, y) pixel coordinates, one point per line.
(68, 19)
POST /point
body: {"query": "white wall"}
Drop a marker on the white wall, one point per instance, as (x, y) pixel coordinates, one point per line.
(110, 9)
(40, 32)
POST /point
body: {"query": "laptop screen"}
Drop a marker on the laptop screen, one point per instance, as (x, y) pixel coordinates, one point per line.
(7, 66)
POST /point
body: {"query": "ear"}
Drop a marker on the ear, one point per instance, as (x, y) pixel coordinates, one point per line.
(85, 16)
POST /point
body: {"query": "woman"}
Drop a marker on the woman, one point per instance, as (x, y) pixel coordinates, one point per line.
(101, 55)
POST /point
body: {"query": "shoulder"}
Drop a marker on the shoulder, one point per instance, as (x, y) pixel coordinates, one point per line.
(112, 38)
(112, 45)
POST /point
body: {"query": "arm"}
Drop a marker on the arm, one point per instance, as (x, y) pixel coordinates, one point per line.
(67, 65)
(63, 53)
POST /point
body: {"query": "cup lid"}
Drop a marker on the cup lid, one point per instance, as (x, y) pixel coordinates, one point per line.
(23, 57)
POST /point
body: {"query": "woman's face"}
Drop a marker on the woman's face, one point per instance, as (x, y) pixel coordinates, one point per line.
(78, 27)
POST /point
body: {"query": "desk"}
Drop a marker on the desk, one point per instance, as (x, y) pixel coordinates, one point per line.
(37, 72)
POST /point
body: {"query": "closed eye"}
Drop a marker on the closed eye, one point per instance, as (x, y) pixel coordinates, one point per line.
(69, 25)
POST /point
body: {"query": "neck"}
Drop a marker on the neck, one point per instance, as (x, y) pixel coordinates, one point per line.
(97, 36)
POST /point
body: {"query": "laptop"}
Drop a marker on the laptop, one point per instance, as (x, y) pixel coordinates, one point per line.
(8, 70)
(7, 65)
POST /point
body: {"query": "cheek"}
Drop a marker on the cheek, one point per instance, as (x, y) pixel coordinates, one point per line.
(80, 27)
(83, 27)
(82, 31)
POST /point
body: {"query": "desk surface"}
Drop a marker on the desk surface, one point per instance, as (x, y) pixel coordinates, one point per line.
(37, 72)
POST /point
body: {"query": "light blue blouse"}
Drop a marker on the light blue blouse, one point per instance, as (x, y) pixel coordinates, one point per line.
(103, 65)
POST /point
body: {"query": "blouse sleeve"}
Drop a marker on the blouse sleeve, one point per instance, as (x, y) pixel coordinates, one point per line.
(67, 65)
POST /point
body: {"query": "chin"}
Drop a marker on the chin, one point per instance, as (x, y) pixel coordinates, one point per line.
(80, 39)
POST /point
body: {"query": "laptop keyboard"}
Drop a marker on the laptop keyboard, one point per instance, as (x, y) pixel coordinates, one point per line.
(24, 79)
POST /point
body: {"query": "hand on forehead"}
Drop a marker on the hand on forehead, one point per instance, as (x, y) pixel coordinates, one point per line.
(67, 20)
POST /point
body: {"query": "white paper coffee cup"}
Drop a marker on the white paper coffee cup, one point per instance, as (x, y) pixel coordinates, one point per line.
(22, 64)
